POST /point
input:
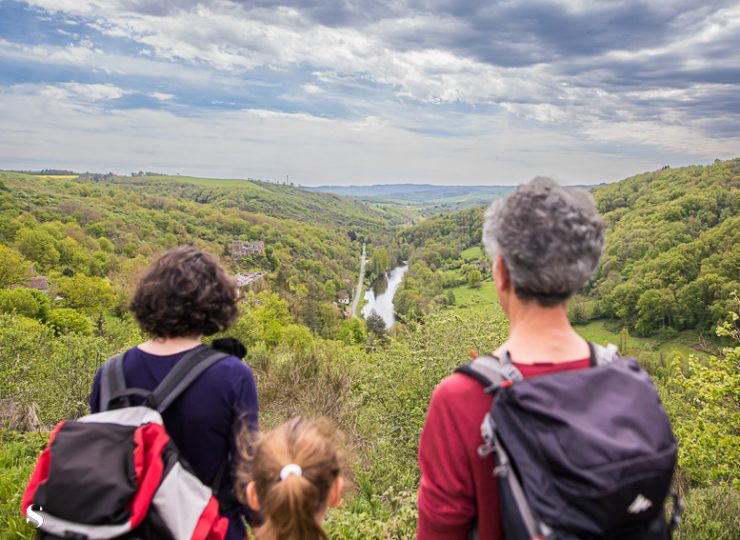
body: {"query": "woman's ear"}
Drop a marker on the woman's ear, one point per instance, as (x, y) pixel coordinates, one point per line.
(335, 492)
(252, 500)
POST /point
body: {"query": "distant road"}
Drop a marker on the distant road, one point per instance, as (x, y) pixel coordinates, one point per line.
(358, 289)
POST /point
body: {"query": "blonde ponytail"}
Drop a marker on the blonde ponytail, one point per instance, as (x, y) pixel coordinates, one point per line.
(290, 505)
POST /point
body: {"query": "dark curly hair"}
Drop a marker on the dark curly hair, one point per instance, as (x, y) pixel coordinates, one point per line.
(185, 293)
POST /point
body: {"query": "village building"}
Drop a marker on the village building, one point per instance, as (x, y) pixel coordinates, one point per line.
(241, 249)
(343, 298)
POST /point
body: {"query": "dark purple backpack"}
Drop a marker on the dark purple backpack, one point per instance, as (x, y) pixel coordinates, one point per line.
(585, 454)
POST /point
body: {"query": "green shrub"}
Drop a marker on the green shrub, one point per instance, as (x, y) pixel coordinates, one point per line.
(54, 374)
(27, 302)
(67, 320)
(702, 400)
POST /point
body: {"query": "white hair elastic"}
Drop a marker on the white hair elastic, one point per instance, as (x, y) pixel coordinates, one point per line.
(289, 469)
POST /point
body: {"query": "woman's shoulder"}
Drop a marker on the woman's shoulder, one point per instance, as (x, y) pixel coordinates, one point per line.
(230, 372)
(234, 366)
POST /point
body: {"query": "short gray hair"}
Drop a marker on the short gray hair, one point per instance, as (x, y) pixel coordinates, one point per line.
(549, 236)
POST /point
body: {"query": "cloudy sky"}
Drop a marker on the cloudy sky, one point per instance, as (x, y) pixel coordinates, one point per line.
(360, 92)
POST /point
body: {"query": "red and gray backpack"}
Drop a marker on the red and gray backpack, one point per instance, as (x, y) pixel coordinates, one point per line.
(585, 454)
(117, 474)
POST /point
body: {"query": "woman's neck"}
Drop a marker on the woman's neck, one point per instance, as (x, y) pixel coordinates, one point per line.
(167, 346)
(541, 334)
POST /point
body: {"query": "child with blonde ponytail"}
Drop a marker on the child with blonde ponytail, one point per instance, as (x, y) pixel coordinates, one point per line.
(292, 476)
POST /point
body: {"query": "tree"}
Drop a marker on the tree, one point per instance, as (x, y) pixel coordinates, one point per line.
(27, 302)
(352, 332)
(375, 324)
(450, 298)
(38, 246)
(299, 339)
(380, 261)
(66, 320)
(90, 294)
(330, 288)
(577, 311)
(474, 278)
(13, 267)
(655, 311)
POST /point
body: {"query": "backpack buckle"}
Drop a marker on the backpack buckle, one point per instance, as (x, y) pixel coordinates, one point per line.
(487, 428)
(485, 450)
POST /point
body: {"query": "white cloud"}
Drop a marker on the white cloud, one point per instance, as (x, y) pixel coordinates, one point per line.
(83, 54)
(394, 89)
(312, 150)
(94, 92)
(161, 96)
(312, 89)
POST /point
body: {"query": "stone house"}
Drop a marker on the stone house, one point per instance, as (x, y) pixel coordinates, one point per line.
(241, 249)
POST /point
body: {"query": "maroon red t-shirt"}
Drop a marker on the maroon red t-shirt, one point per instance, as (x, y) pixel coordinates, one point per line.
(458, 486)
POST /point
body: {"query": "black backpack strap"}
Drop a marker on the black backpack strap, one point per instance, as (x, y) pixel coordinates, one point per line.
(491, 371)
(185, 372)
(112, 380)
(601, 356)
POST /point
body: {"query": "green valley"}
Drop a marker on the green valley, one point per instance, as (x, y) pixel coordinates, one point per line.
(72, 247)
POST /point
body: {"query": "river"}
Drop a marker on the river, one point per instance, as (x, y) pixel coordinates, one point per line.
(380, 296)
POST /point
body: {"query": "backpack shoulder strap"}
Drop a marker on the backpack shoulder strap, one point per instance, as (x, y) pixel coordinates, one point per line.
(112, 380)
(491, 371)
(601, 356)
(185, 372)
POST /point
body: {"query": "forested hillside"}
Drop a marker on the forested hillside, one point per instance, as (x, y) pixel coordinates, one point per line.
(86, 239)
(672, 259)
(279, 200)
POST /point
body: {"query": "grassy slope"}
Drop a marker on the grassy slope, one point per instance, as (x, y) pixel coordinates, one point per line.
(682, 344)
(472, 253)
(482, 301)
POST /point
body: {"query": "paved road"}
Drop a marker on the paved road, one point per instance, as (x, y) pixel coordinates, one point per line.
(358, 289)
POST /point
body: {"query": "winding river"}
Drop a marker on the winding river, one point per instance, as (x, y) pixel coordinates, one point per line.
(380, 296)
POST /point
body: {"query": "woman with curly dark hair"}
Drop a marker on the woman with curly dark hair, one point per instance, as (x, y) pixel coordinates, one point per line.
(184, 296)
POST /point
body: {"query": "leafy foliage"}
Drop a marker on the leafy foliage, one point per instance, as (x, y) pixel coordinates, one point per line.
(13, 267)
(27, 302)
(673, 253)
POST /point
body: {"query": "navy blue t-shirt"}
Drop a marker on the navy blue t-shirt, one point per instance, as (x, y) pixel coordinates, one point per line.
(204, 420)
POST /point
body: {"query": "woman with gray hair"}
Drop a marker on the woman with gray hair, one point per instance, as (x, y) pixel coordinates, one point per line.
(544, 241)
